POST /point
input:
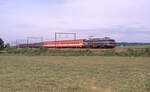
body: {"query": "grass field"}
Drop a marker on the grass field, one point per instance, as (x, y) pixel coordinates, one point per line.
(74, 74)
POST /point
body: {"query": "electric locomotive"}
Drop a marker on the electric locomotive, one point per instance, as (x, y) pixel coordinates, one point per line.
(99, 43)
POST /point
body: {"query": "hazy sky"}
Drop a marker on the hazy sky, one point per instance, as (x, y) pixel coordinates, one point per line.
(123, 20)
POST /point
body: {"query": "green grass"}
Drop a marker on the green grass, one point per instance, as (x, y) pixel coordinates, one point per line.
(74, 74)
(46, 52)
(125, 52)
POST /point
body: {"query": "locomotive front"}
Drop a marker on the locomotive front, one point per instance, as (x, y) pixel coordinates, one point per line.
(99, 43)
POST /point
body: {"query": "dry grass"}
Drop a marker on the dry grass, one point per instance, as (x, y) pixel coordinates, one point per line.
(74, 74)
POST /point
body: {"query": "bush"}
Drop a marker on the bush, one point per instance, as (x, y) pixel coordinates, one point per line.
(147, 51)
(7, 45)
(1, 44)
(110, 53)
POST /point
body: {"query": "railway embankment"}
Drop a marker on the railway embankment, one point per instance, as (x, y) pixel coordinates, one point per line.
(135, 52)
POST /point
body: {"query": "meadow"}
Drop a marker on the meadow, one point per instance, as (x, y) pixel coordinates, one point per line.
(74, 74)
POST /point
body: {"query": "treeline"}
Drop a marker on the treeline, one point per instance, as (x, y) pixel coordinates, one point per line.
(145, 52)
(131, 44)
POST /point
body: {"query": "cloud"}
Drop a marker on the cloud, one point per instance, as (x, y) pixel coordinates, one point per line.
(119, 19)
(106, 13)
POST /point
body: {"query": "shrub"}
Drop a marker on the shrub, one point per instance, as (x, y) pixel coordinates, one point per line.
(1, 44)
(110, 53)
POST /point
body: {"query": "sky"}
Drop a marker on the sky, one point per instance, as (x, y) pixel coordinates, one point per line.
(122, 20)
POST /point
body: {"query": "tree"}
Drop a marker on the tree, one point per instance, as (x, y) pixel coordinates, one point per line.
(7, 45)
(1, 44)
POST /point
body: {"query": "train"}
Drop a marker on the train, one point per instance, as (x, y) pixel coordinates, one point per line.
(80, 43)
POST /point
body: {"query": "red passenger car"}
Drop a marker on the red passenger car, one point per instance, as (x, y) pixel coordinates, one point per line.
(63, 44)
